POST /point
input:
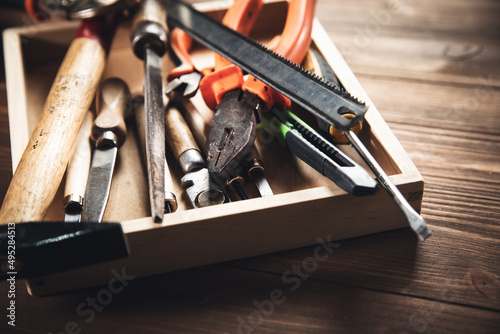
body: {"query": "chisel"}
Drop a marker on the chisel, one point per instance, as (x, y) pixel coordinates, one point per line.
(108, 132)
(149, 42)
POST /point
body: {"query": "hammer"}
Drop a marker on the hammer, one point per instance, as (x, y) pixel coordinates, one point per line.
(28, 246)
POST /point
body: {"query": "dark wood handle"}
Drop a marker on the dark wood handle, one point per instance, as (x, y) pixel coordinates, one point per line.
(112, 107)
(44, 160)
(177, 132)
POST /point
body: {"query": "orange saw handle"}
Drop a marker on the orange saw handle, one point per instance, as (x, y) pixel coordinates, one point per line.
(226, 76)
(293, 45)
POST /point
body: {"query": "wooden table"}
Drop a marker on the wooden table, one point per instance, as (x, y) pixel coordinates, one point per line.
(431, 68)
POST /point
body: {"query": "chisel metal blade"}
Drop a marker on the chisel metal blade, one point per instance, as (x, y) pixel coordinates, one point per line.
(155, 133)
(99, 183)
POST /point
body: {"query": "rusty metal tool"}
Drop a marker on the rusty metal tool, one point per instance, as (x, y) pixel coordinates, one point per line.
(196, 181)
(77, 173)
(240, 103)
(48, 247)
(256, 173)
(108, 132)
(140, 117)
(185, 77)
(149, 38)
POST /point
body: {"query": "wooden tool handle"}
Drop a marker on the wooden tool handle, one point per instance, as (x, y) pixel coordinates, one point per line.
(78, 168)
(177, 132)
(44, 161)
(112, 107)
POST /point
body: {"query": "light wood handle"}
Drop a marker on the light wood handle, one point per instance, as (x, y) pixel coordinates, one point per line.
(112, 108)
(78, 168)
(177, 132)
(44, 160)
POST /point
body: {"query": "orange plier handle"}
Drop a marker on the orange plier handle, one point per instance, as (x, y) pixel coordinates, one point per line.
(181, 42)
(226, 76)
(293, 45)
(241, 17)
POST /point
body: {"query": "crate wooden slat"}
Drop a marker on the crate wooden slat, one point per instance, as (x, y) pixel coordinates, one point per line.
(307, 206)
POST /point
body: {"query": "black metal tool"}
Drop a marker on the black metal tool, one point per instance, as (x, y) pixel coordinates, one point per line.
(313, 149)
(51, 247)
(232, 133)
(314, 94)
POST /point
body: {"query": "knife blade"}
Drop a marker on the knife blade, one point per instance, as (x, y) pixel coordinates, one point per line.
(109, 133)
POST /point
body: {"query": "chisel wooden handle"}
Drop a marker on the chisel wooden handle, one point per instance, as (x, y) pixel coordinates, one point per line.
(177, 132)
(114, 97)
(44, 161)
(78, 168)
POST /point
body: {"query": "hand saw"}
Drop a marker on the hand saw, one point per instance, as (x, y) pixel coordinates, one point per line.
(323, 99)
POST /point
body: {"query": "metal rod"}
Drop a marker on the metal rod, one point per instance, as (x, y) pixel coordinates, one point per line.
(417, 223)
(155, 133)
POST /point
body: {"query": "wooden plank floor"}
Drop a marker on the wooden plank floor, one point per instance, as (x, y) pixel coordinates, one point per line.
(432, 69)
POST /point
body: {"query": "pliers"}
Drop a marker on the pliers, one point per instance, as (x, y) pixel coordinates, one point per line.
(185, 80)
(239, 103)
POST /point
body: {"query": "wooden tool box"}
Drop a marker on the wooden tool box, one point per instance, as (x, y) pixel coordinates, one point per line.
(305, 206)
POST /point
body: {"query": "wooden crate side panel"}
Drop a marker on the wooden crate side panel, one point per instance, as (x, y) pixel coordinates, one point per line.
(193, 240)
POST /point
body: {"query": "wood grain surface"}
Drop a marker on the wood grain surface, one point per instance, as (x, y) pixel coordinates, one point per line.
(431, 68)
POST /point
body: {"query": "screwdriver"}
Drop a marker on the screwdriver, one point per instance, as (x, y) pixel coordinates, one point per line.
(417, 223)
(149, 43)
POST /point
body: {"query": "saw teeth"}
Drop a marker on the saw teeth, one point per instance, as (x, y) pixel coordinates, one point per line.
(313, 76)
